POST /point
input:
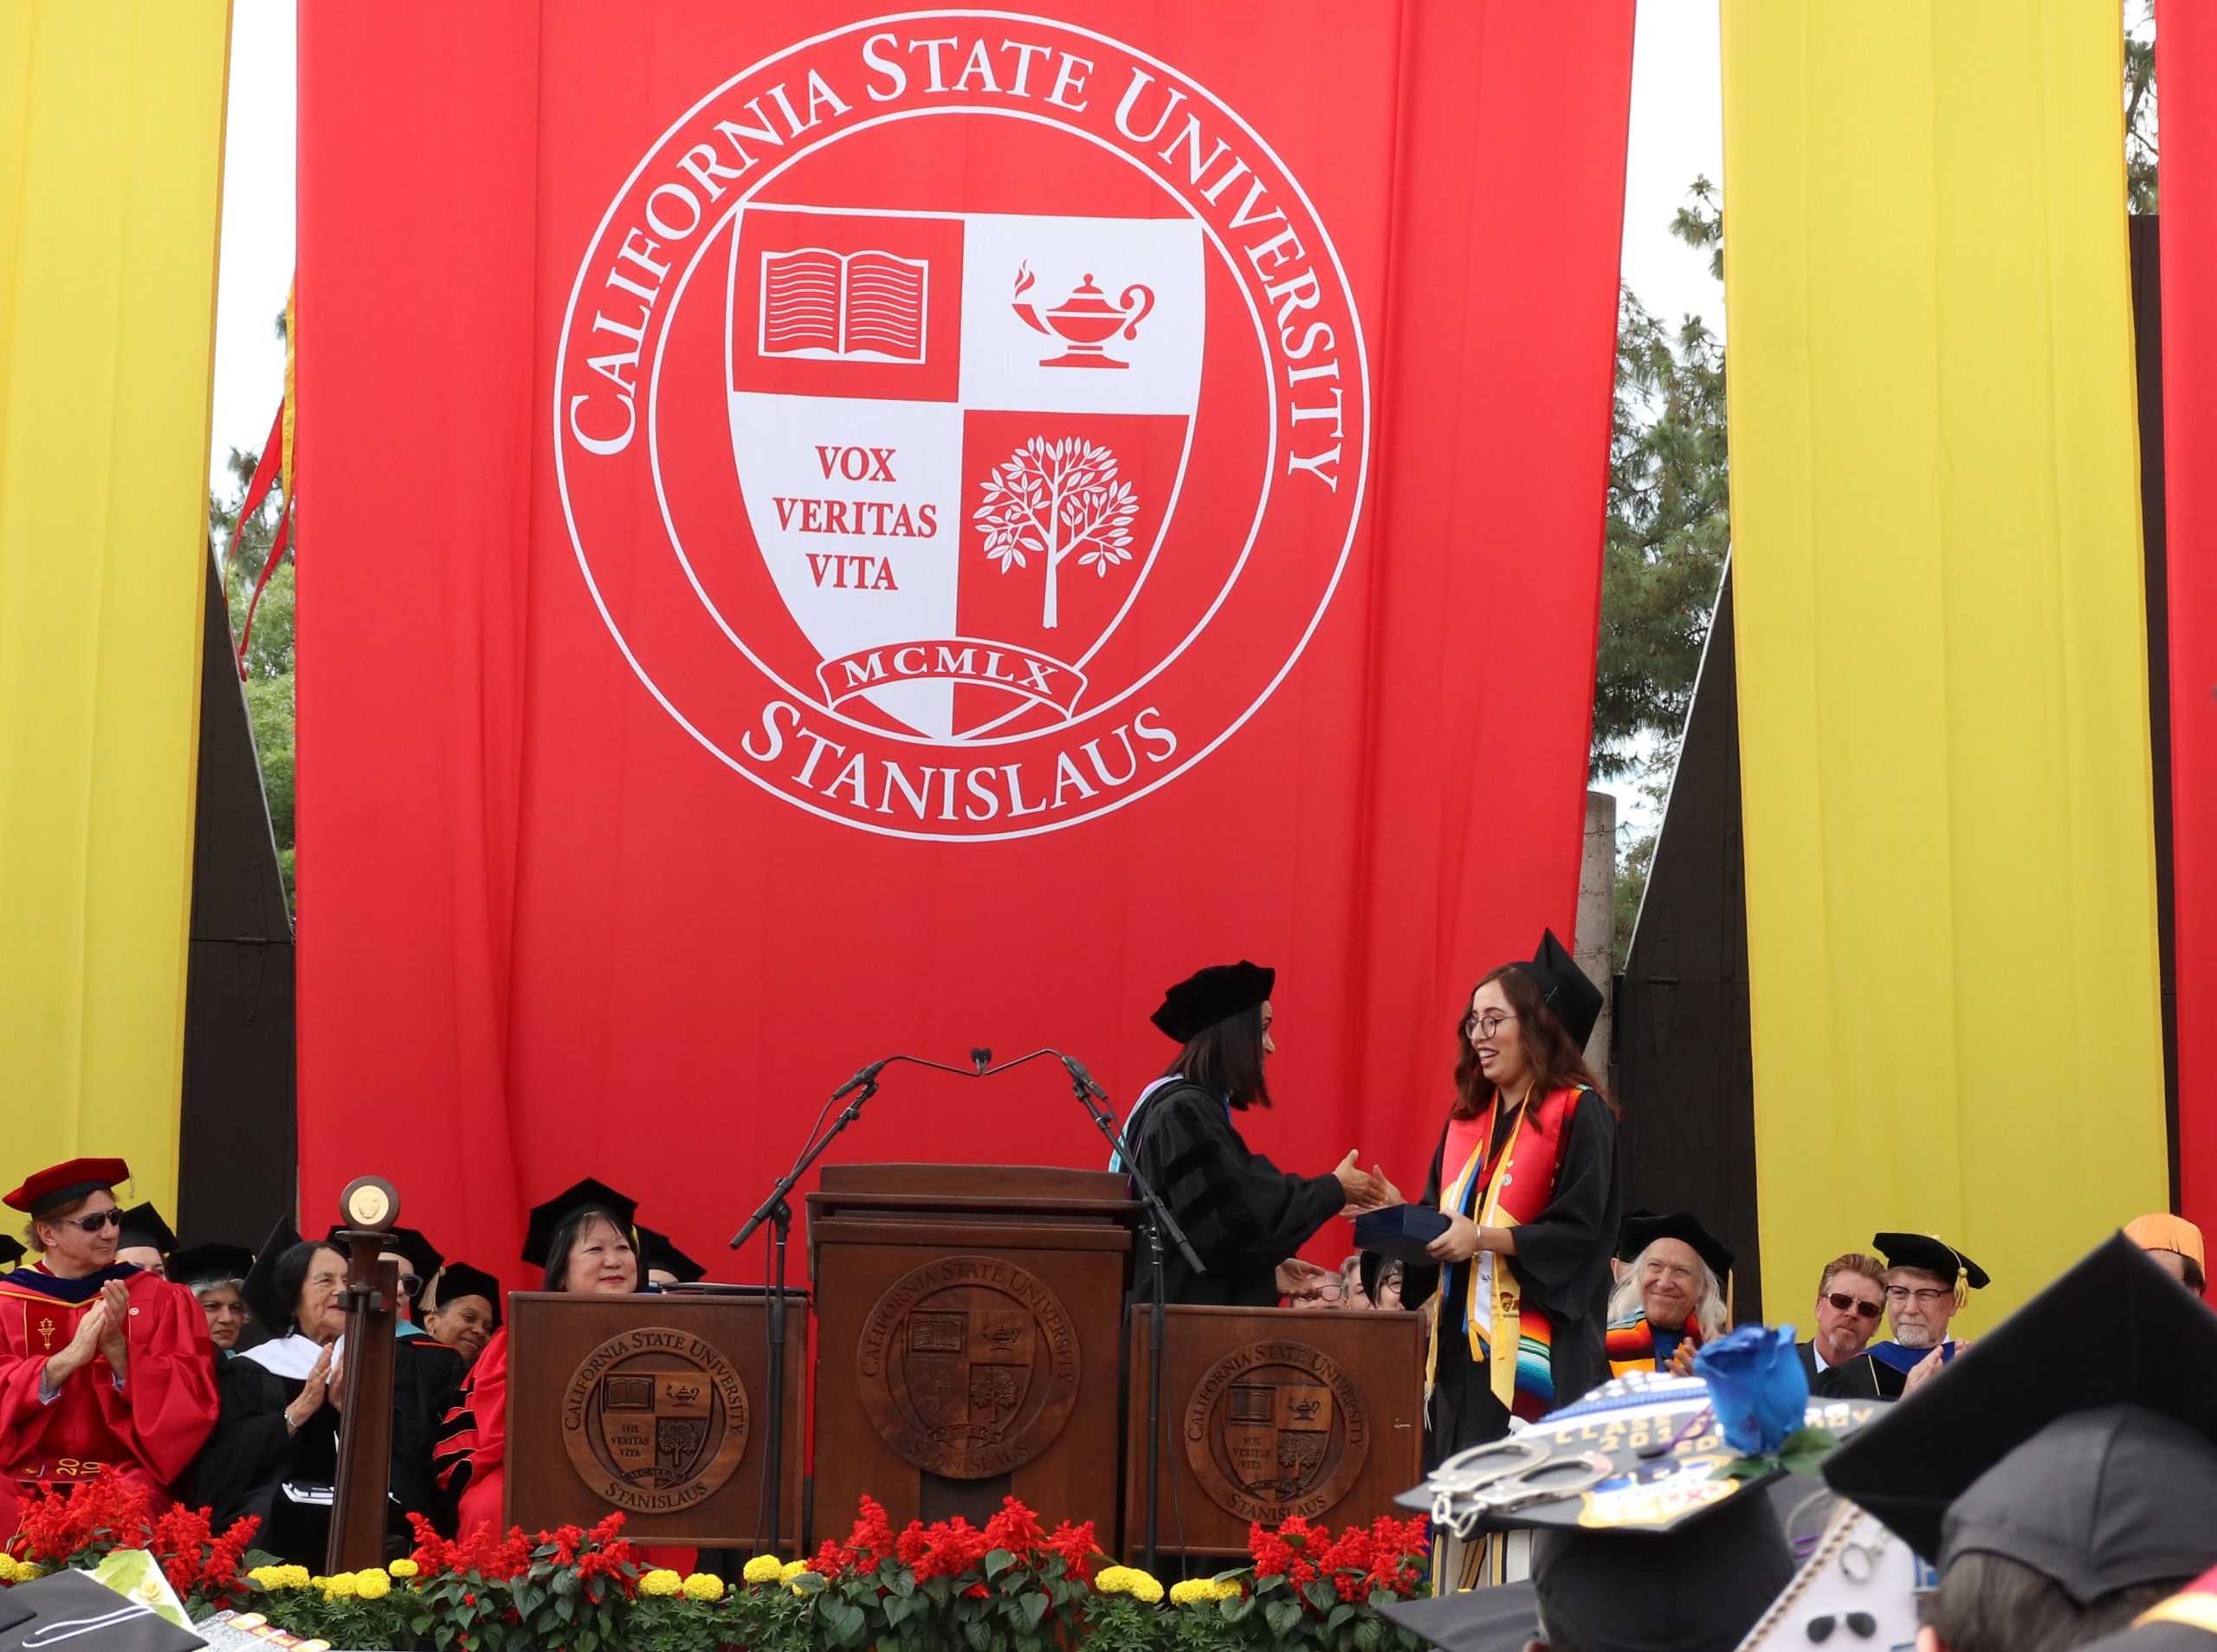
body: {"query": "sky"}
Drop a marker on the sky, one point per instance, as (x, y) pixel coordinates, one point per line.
(1677, 135)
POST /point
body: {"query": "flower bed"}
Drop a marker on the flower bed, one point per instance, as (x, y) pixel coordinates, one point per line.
(1011, 1586)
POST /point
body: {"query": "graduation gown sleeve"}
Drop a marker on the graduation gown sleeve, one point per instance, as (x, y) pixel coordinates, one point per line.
(167, 1406)
(470, 1455)
(1243, 1215)
(427, 1383)
(238, 1471)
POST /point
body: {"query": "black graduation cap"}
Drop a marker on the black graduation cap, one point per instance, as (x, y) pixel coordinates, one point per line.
(1639, 1232)
(656, 1251)
(1927, 1254)
(11, 1251)
(544, 1218)
(423, 1256)
(198, 1266)
(1575, 1000)
(1625, 1249)
(1498, 1619)
(1206, 997)
(58, 1609)
(2090, 1468)
(261, 1287)
(143, 1225)
(460, 1280)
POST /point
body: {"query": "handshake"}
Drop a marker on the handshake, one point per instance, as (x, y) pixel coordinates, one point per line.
(1366, 1190)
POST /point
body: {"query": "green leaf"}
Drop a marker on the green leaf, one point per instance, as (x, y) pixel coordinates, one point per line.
(980, 1634)
(1282, 1616)
(998, 1562)
(1322, 1594)
(1368, 1632)
(1337, 1615)
(1035, 1606)
(1744, 1469)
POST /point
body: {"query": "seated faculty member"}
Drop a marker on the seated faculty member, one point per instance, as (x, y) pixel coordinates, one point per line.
(145, 1241)
(2173, 1244)
(465, 1309)
(1525, 1172)
(216, 1274)
(104, 1368)
(1928, 1282)
(1850, 1298)
(1244, 1216)
(1673, 1299)
(415, 1259)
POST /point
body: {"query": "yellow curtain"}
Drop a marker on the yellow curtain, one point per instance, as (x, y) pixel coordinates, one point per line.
(1943, 658)
(111, 152)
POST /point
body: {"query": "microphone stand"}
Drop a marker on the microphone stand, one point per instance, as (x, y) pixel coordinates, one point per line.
(780, 1214)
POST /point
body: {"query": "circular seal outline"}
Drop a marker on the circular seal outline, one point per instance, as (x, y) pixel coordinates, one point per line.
(1202, 1427)
(724, 1383)
(1356, 500)
(1059, 1379)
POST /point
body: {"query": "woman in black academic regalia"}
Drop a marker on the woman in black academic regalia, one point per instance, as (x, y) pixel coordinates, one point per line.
(1245, 1216)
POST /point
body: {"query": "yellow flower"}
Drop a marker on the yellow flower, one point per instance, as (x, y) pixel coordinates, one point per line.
(765, 1568)
(1129, 1580)
(403, 1568)
(791, 1569)
(1196, 1592)
(7, 1568)
(318, 1581)
(345, 1586)
(294, 1578)
(704, 1586)
(373, 1583)
(661, 1581)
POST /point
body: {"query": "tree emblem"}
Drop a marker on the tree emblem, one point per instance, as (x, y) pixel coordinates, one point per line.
(1055, 498)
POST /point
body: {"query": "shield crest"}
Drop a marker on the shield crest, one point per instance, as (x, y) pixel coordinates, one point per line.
(959, 439)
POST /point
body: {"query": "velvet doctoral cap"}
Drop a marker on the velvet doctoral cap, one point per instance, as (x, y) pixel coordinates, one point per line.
(2079, 1437)
(143, 1225)
(539, 1241)
(198, 1267)
(459, 1279)
(1640, 1231)
(656, 1251)
(1206, 997)
(261, 1287)
(1574, 999)
(65, 1184)
(1929, 1255)
(421, 1257)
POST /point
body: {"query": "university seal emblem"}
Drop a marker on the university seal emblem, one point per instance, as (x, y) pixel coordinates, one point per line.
(1275, 1428)
(944, 497)
(655, 1421)
(969, 1367)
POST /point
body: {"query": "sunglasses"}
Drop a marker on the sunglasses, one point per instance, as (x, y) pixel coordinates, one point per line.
(1862, 1625)
(94, 1223)
(1848, 1303)
(408, 1285)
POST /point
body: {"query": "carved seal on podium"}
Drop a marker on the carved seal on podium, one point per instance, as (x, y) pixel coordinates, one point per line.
(968, 1367)
(655, 1419)
(1275, 1428)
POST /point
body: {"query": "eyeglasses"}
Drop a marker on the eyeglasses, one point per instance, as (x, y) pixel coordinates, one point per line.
(1848, 1303)
(1862, 1625)
(1487, 1025)
(94, 1223)
(410, 1286)
(1925, 1296)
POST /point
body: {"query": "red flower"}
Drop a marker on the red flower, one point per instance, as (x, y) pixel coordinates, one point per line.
(1015, 1528)
(1077, 1546)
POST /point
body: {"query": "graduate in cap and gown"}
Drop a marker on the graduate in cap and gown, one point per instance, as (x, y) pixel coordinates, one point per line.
(2059, 1499)
(1518, 1283)
(146, 1241)
(1928, 1282)
(1244, 1216)
(105, 1369)
(1676, 1295)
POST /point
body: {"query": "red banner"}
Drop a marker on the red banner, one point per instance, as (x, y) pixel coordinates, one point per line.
(2186, 47)
(838, 534)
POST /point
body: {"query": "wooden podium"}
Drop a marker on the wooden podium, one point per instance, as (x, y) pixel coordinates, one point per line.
(654, 1405)
(1268, 1412)
(967, 1341)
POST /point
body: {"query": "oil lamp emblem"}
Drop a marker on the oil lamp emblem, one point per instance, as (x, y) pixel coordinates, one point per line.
(1085, 320)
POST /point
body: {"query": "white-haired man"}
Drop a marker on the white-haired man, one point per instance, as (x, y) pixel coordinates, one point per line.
(1674, 1297)
(1926, 1283)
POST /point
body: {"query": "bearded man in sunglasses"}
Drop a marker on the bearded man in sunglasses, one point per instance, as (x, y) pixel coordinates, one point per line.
(105, 1370)
(1851, 1297)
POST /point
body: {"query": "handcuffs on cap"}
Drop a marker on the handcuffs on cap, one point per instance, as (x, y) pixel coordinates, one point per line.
(1497, 1476)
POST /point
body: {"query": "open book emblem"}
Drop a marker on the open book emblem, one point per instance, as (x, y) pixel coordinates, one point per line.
(829, 306)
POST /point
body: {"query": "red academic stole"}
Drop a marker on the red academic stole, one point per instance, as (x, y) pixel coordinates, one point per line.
(1518, 1185)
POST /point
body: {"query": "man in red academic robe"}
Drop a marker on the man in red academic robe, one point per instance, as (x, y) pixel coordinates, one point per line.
(105, 1369)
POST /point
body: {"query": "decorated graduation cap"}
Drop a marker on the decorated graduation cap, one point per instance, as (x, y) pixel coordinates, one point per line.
(1934, 1257)
(69, 1608)
(589, 1194)
(65, 1184)
(2099, 1474)
(1564, 987)
(422, 1255)
(1209, 995)
(1640, 1231)
(143, 1225)
(657, 1253)
(198, 1268)
(261, 1287)
(459, 1279)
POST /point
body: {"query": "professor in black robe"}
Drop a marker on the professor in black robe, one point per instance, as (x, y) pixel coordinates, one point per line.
(1241, 1214)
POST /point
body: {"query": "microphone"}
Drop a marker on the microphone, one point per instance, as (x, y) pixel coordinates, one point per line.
(981, 1058)
(867, 1076)
(1082, 1076)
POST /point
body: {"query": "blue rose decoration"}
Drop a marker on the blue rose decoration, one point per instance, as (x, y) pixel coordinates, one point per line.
(1756, 1387)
